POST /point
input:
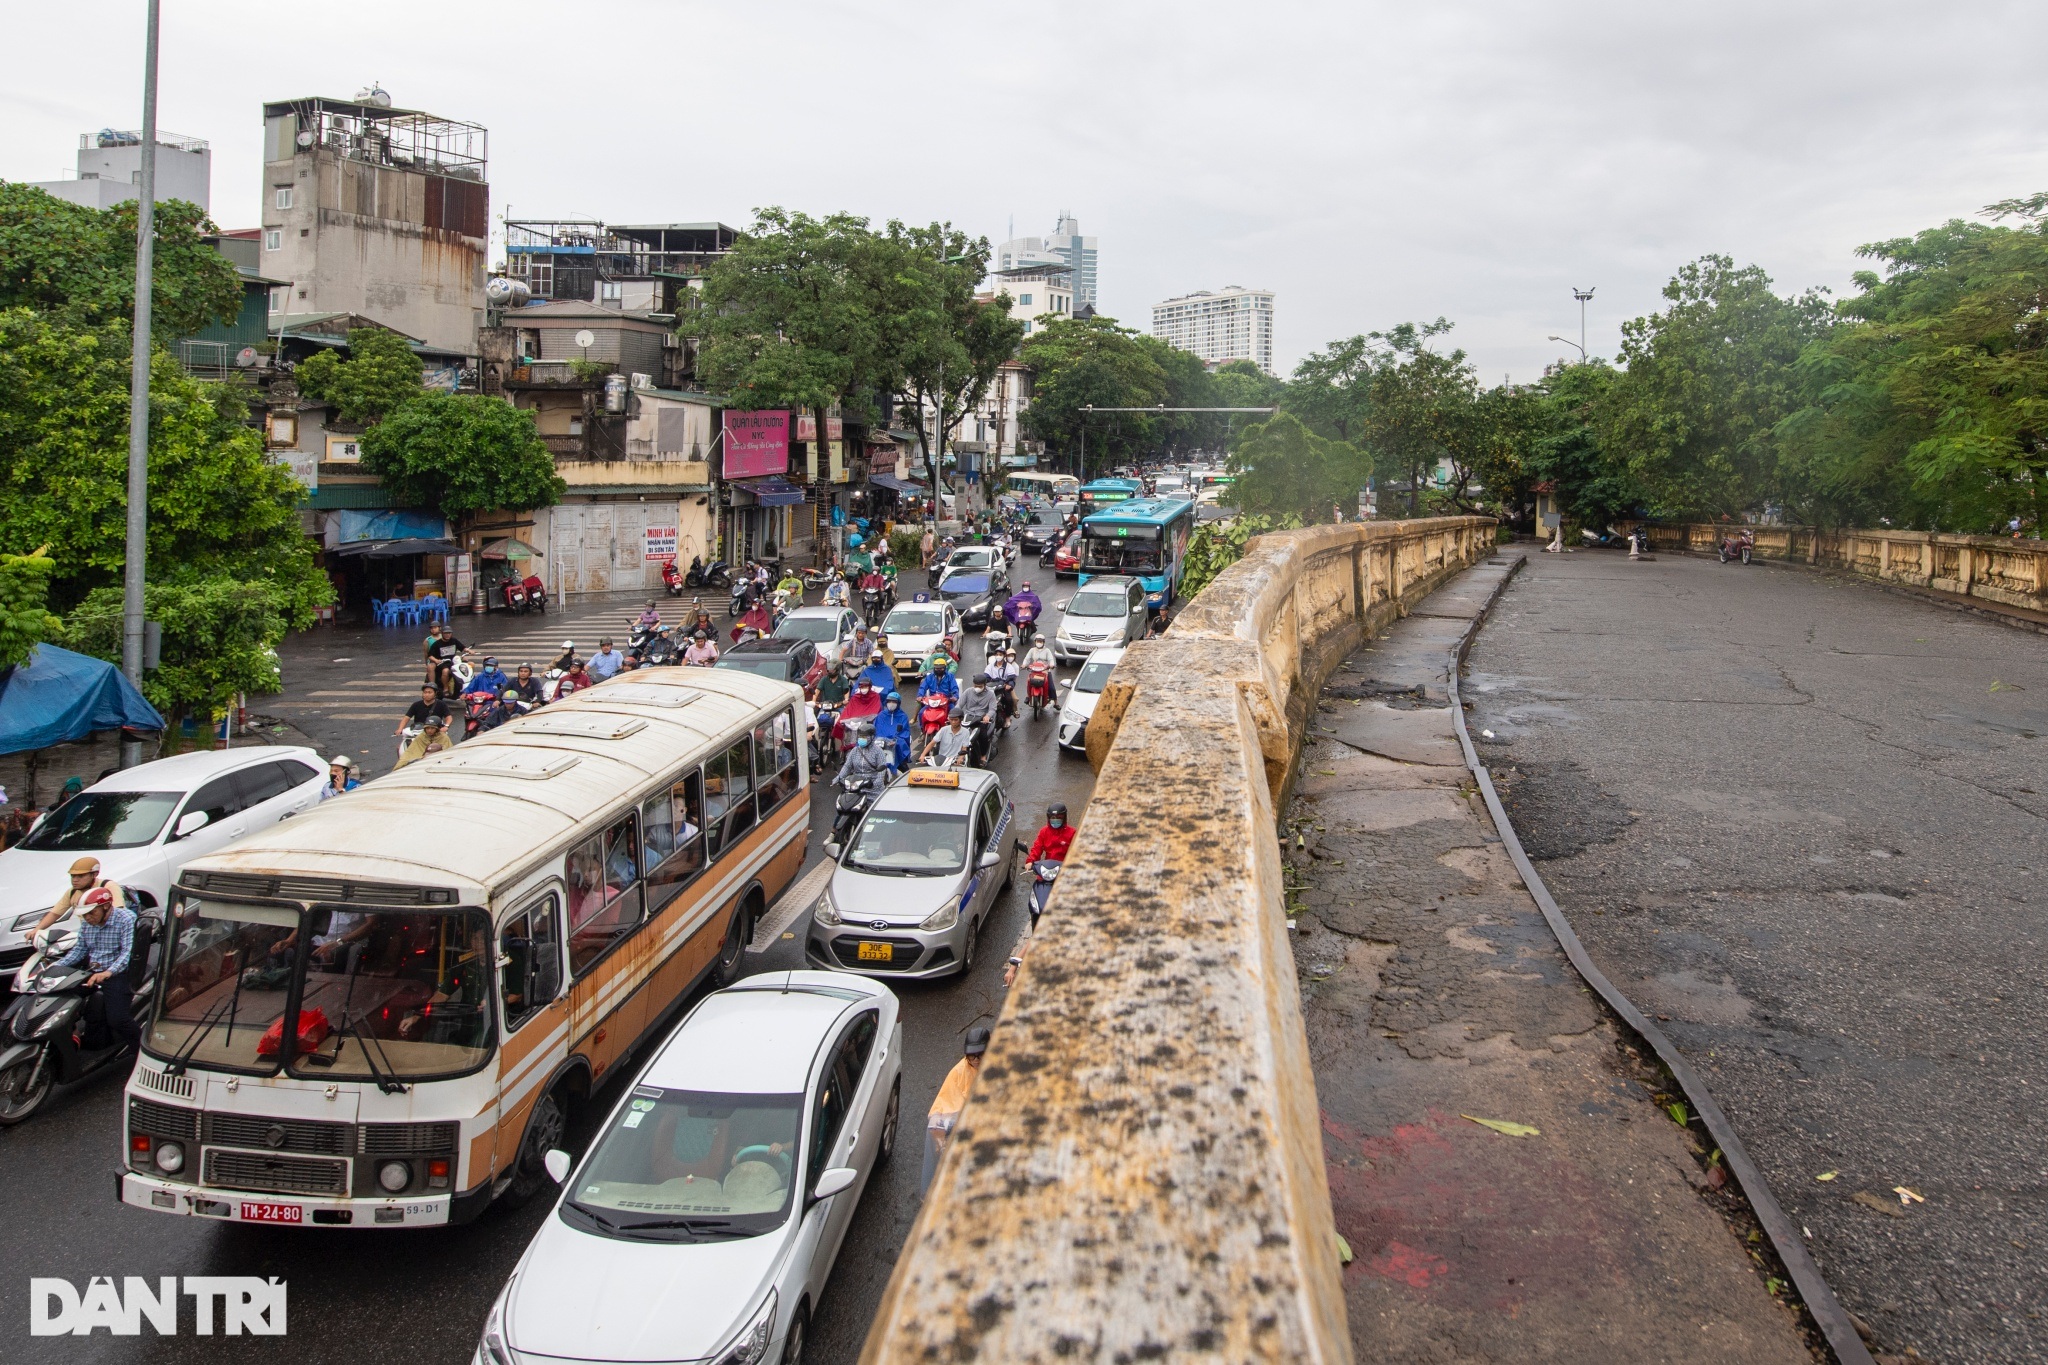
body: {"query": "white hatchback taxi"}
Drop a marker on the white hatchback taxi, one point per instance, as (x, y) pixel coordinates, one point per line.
(703, 1224)
(1079, 703)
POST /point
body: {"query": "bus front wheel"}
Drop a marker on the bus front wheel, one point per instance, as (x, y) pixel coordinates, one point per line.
(546, 1129)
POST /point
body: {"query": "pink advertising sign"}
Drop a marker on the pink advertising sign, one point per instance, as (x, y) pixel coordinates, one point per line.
(756, 443)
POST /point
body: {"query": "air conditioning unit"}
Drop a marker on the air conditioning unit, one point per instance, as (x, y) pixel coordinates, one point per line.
(643, 381)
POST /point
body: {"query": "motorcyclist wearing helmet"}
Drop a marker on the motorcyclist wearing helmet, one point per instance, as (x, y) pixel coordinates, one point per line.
(1023, 607)
(940, 682)
(868, 762)
(892, 728)
(1055, 838)
(490, 678)
(837, 594)
(1039, 653)
(566, 660)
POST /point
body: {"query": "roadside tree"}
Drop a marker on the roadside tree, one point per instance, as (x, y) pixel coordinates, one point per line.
(461, 454)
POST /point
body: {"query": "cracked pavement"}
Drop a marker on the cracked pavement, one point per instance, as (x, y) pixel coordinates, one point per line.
(1801, 820)
(1434, 994)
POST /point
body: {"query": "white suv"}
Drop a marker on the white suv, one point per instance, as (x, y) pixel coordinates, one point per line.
(146, 823)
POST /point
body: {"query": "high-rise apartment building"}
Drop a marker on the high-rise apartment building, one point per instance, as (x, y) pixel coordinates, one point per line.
(1066, 246)
(1230, 324)
(379, 212)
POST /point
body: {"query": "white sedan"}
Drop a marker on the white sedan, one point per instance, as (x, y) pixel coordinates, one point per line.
(703, 1224)
(1082, 694)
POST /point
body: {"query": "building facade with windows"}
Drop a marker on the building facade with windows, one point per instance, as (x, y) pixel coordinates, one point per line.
(110, 170)
(1066, 246)
(1038, 293)
(1232, 323)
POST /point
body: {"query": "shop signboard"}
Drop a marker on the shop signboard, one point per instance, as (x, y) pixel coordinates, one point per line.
(661, 543)
(756, 444)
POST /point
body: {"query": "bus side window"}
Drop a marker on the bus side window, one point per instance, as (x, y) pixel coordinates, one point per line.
(604, 881)
(674, 824)
(531, 972)
(739, 789)
(775, 758)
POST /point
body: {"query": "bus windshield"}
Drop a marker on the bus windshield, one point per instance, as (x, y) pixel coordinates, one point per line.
(390, 995)
(1106, 555)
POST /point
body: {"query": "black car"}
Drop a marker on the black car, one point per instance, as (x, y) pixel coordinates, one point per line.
(1042, 531)
(796, 661)
(973, 596)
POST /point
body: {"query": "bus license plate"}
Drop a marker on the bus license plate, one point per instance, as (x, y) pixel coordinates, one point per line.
(272, 1213)
(877, 952)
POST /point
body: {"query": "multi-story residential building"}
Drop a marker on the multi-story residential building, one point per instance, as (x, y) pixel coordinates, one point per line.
(1066, 246)
(110, 170)
(1230, 324)
(1038, 293)
(621, 265)
(376, 211)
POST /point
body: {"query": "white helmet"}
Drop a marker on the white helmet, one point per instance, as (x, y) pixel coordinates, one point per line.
(568, 644)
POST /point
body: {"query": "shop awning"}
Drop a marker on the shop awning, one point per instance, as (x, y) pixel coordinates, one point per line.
(771, 492)
(395, 549)
(900, 485)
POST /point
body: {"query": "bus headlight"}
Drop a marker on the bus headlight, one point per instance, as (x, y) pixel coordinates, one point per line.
(394, 1176)
(170, 1157)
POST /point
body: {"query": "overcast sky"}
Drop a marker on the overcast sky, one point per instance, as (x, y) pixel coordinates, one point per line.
(1369, 162)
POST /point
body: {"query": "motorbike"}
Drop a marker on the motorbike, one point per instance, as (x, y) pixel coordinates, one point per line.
(1738, 545)
(988, 734)
(823, 750)
(641, 637)
(1038, 689)
(1639, 543)
(477, 708)
(552, 686)
(1044, 873)
(48, 1036)
(536, 593)
(672, 577)
(873, 607)
(816, 578)
(855, 794)
(513, 592)
(931, 716)
(742, 598)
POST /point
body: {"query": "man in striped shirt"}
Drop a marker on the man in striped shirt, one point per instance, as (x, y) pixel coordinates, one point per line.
(106, 936)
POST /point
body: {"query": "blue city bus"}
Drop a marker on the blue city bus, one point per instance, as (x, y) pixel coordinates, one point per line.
(1095, 496)
(1146, 538)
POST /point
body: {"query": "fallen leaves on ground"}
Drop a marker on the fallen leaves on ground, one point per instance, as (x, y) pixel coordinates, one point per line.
(1907, 1196)
(1877, 1204)
(1505, 1127)
(1827, 1175)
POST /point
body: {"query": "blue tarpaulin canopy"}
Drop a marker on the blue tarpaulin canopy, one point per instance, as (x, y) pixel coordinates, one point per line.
(58, 696)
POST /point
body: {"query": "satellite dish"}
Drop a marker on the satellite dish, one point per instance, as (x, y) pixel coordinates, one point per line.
(245, 357)
(586, 338)
(305, 138)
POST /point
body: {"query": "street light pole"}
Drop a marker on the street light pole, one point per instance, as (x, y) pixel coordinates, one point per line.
(138, 390)
(1573, 344)
(1584, 296)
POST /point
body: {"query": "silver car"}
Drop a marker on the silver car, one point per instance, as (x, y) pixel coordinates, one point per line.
(1106, 610)
(920, 874)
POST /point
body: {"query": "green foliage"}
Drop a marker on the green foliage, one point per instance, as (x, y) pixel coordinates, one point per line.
(1216, 545)
(904, 547)
(1707, 383)
(25, 619)
(1593, 489)
(1283, 469)
(219, 639)
(216, 503)
(381, 374)
(76, 266)
(1082, 361)
(948, 343)
(1331, 389)
(1241, 384)
(460, 454)
(584, 371)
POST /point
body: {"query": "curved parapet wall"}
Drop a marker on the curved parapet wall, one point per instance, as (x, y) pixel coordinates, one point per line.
(2012, 573)
(1139, 1172)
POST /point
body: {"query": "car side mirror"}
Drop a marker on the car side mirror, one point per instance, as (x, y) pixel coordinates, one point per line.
(989, 860)
(833, 850)
(191, 822)
(833, 1181)
(557, 1164)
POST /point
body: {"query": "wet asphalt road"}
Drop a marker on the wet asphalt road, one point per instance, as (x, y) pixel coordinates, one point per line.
(422, 1296)
(1802, 819)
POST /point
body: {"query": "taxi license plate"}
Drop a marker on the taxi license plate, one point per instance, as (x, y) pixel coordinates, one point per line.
(877, 952)
(272, 1213)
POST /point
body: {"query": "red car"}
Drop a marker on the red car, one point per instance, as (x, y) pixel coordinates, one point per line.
(1066, 561)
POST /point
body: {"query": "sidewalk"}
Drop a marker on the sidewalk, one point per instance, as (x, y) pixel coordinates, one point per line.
(1433, 991)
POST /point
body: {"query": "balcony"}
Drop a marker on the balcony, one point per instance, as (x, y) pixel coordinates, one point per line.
(559, 374)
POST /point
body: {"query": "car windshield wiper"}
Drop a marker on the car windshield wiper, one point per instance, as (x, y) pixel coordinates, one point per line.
(592, 1214)
(717, 1227)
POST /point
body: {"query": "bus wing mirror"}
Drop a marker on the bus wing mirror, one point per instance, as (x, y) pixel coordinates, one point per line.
(557, 1163)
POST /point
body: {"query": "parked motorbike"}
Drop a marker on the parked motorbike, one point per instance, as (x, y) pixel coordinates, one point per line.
(536, 593)
(48, 1036)
(513, 593)
(717, 574)
(855, 794)
(672, 577)
(1738, 545)
(1038, 689)
(1044, 873)
(1639, 543)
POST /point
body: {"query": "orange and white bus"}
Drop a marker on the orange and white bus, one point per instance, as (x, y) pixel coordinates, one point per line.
(466, 947)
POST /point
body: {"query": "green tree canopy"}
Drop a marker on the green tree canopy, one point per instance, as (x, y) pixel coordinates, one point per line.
(949, 344)
(1331, 389)
(216, 503)
(76, 266)
(218, 638)
(1707, 382)
(1284, 470)
(1592, 488)
(381, 374)
(1081, 361)
(25, 619)
(461, 454)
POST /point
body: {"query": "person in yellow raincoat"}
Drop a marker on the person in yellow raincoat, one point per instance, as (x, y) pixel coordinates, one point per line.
(945, 1110)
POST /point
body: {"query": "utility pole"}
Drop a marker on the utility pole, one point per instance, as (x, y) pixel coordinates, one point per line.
(138, 391)
(1584, 296)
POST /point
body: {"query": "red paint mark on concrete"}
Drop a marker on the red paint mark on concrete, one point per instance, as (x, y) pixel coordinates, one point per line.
(1399, 1261)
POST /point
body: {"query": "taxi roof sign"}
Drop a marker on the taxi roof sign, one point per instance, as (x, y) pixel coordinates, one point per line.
(934, 777)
